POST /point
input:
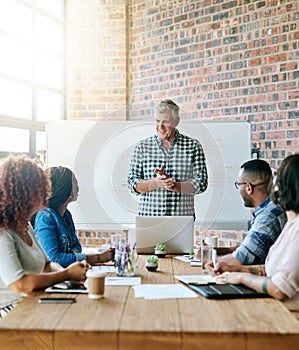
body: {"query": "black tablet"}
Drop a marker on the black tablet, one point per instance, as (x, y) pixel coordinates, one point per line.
(226, 291)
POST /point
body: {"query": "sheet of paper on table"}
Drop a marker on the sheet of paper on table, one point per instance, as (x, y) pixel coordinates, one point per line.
(163, 291)
(190, 259)
(104, 267)
(196, 279)
(122, 281)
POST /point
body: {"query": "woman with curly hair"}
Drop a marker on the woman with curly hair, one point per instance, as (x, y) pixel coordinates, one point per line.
(279, 277)
(54, 226)
(24, 189)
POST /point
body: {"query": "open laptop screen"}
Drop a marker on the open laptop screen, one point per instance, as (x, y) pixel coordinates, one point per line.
(176, 232)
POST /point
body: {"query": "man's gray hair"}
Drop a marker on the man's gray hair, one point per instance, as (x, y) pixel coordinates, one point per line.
(168, 106)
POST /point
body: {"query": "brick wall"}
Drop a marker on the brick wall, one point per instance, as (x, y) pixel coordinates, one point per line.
(222, 60)
(218, 59)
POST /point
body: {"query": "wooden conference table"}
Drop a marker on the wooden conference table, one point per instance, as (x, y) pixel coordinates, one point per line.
(121, 321)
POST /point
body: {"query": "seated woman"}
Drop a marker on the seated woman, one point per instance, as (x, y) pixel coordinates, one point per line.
(54, 226)
(279, 277)
(24, 267)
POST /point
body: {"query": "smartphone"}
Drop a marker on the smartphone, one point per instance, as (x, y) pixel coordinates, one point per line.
(57, 300)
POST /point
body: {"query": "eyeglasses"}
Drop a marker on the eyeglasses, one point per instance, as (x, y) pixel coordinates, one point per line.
(238, 184)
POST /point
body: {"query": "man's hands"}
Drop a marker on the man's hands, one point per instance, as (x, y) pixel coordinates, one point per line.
(166, 182)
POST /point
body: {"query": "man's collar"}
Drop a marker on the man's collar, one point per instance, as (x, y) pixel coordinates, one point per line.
(264, 203)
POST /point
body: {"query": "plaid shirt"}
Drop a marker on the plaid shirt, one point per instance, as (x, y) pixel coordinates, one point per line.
(268, 222)
(184, 161)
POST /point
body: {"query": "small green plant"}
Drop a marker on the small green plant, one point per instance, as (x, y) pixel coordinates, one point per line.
(192, 254)
(161, 247)
(152, 259)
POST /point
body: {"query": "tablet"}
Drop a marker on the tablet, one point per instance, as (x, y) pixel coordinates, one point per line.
(67, 287)
(226, 291)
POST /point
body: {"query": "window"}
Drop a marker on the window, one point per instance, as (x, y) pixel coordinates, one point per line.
(32, 73)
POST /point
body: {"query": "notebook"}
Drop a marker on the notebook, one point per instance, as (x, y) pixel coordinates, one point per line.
(176, 232)
(225, 291)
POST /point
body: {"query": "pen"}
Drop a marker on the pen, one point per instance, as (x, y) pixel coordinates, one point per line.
(214, 257)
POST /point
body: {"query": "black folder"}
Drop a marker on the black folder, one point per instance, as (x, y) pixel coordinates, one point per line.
(225, 291)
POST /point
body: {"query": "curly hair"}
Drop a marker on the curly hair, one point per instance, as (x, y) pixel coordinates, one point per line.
(23, 187)
(286, 190)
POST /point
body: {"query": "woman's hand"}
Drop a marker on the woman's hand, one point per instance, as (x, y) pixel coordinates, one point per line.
(220, 267)
(107, 255)
(77, 271)
(230, 277)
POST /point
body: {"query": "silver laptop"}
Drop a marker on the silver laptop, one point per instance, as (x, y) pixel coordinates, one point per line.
(176, 232)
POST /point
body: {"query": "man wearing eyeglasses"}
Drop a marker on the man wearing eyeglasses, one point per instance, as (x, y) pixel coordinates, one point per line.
(167, 169)
(254, 184)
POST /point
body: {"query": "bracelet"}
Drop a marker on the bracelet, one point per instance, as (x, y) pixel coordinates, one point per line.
(264, 286)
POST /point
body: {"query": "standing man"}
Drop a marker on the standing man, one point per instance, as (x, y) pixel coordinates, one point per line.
(167, 169)
(254, 184)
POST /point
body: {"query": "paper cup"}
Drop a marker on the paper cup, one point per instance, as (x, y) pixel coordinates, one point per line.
(96, 284)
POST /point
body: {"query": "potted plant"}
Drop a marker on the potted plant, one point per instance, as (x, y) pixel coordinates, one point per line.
(160, 250)
(152, 263)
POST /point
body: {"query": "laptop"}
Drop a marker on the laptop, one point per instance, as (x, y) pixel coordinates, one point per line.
(176, 232)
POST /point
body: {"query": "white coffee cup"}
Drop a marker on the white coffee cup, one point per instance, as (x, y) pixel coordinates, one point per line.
(212, 241)
(96, 283)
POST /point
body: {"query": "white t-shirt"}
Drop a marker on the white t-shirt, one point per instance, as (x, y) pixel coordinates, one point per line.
(282, 263)
(18, 258)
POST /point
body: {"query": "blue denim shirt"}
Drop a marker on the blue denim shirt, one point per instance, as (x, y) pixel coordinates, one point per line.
(268, 222)
(57, 236)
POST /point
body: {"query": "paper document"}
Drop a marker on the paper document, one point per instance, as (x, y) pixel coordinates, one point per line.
(196, 279)
(104, 267)
(122, 281)
(190, 259)
(163, 291)
(184, 258)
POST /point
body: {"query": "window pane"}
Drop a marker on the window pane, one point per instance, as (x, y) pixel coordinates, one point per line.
(16, 99)
(49, 34)
(17, 19)
(50, 71)
(14, 140)
(54, 7)
(50, 106)
(41, 145)
(15, 59)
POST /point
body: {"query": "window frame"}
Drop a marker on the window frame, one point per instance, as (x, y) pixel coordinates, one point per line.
(33, 125)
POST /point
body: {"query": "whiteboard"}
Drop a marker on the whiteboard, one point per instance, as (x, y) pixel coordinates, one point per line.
(99, 153)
